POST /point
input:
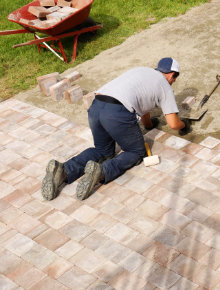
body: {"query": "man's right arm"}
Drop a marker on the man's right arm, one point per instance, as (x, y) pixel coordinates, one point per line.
(174, 121)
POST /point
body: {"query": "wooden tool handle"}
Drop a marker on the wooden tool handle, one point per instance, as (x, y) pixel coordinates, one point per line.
(148, 149)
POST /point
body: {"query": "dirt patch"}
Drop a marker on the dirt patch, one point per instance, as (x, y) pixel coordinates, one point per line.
(192, 39)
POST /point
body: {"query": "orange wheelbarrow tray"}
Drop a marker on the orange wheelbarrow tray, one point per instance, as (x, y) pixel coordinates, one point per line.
(73, 25)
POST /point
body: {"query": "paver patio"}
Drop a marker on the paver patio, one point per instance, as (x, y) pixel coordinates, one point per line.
(152, 228)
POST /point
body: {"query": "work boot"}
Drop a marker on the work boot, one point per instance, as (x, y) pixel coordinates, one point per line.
(55, 176)
(93, 175)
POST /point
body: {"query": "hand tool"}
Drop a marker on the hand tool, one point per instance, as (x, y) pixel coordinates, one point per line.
(150, 160)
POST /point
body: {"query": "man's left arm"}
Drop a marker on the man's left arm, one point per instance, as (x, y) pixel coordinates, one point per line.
(148, 122)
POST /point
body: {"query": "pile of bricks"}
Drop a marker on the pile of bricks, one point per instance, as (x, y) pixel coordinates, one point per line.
(49, 13)
(52, 85)
(59, 89)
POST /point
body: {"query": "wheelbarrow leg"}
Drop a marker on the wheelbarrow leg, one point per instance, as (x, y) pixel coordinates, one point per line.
(75, 46)
(62, 50)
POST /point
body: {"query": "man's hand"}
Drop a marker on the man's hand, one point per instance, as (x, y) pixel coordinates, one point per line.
(155, 122)
(187, 129)
(148, 122)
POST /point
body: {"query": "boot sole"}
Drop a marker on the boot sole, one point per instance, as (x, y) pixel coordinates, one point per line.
(48, 186)
(87, 182)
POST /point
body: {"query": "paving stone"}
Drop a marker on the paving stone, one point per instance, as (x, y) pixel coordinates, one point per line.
(19, 244)
(111, 207)
(36, 208)
(199, 213)
(69, 249)
(160, 253)
(9, 262)
(51, 239)
(99, 285)
(39, 256)
(57, 268)
(10, 214)
(94, 240)
(113, 251)
(204, 168)
(87, 260)
(76, 230)
(5, 189)
(152, 209)
(84, 214)
(154, 134)
(198, 232)
(48, 283)
(126, 280)
(125, 215)
(102, 223)
(184, 266)
(210, 142)
(115, 192)
(206, 277)
(211, 259)
(167, 235)
(5, 283)
(138, 185)
(184, 283)
(175, 220)
(202, 197)
(192, 248)
(30, 278)
(37, 231)
(134, 201)
(143, 225)
(76, 279)
(192, 148)
(121, 233)
(24, 223)
(132, 262)
(213, 222)
(176, 142)
(29, 185)
(57, 220)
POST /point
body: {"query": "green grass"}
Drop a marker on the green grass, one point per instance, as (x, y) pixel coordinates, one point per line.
(19, 67)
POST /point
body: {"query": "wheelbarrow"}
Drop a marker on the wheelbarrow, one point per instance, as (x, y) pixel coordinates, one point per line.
(73, 25)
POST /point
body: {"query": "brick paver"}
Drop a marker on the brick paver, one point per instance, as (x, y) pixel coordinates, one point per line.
(152, 228)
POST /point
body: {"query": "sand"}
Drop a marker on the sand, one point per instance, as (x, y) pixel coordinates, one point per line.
(193, 39)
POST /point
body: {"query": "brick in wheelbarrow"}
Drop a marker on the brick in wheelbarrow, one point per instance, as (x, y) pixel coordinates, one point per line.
(41, 79)
(56, 16)
(57, 91)
(38, 11)
(63, 3)
(74, 94)
(67, 10)
(47, 3)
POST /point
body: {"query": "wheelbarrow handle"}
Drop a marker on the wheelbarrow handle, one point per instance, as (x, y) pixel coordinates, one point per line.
(16, 31)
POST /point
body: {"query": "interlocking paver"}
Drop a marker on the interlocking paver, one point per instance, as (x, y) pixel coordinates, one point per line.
(152, 228)
(76, 279)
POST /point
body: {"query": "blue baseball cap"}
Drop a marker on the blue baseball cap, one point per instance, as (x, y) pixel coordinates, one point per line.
(167, 65)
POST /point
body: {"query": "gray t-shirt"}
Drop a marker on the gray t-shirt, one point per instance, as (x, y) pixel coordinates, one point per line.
(142, 89)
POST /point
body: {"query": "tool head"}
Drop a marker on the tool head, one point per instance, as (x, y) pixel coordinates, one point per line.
(151, 160)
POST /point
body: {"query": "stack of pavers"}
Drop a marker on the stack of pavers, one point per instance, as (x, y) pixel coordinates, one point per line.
(49, 13)
(59, 89)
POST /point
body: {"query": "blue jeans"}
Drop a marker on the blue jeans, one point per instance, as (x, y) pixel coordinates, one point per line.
(110, 123)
